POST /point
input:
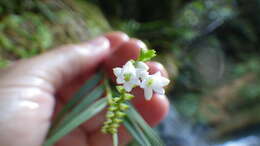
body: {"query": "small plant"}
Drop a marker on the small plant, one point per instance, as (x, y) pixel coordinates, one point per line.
(85, 104)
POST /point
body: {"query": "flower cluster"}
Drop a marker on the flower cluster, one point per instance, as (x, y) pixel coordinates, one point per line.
(132, 74)
(135, 73)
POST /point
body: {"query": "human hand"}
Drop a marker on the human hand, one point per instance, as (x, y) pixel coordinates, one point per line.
(33, 90)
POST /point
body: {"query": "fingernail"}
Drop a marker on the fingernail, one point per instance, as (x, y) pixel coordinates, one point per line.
(139, 43)
(99, 43)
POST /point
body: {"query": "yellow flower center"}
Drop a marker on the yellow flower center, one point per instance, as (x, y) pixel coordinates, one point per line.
(149, 82)
(127, 77)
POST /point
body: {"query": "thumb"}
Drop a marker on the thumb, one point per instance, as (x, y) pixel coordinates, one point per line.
(61, 64)
(27, 89)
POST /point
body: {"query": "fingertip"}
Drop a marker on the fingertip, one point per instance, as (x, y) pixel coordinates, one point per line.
(154, 110)
(128, 50)
(138, 43)
(155, 67)
(116, 39)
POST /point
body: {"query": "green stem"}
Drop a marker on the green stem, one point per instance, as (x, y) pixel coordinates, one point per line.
(115, 139)
(108, 90)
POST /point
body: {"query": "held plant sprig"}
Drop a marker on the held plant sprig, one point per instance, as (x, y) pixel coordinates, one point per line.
(133, 74)
(86, 103)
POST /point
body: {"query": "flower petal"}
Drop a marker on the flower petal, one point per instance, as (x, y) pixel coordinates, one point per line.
(142, 66)
(157, 74)
(164, 81)
(129, 67)
(135, 81)
(148, 93)
(128, 86)
(143, 83)
(141, 73)
(117, 71)
(120, 80)
(159, 90)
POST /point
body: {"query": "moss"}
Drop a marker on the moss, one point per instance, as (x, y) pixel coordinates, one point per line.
(31, 29)
(24, 35)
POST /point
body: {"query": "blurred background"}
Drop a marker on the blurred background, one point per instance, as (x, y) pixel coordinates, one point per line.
(209, 47)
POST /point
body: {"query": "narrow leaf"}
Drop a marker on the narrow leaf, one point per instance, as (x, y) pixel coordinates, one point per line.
(76, 121)
(136, 132)
(148, 131)
(88, 100)
(90, 84)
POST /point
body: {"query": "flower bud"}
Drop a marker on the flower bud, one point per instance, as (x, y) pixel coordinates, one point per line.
(120, 89)
(110, 114)
(112, 108)
(120, 114)
(116, 99)
(117, 120)
(123, 106)
(128, 96)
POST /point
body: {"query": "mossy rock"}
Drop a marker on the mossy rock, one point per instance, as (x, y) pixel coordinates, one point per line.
(28, 31)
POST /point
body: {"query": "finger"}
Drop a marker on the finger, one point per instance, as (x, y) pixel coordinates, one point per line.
(152, 111)
(116, 39)
(65, 93)
(144, 107)
(155, 67)
(51, 70)
(28, 86)
(77, 137)
(127, 51)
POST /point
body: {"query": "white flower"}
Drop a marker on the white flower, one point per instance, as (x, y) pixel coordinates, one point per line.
(127, 76)
(155, 83)
(141, 70)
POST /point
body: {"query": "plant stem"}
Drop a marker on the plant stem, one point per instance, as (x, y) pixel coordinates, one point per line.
(115, 139)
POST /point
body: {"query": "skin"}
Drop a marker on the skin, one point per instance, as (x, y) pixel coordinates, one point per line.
(34, 90)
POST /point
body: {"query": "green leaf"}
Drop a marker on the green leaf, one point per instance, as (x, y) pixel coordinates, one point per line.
(76, 121)
(148, 131)
(88, 100)
(136, 132)
(146, 55)
(85, 89)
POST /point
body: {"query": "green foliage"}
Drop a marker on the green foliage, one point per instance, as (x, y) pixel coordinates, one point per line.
(16, 34)
(30, 27)
(146, 55)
